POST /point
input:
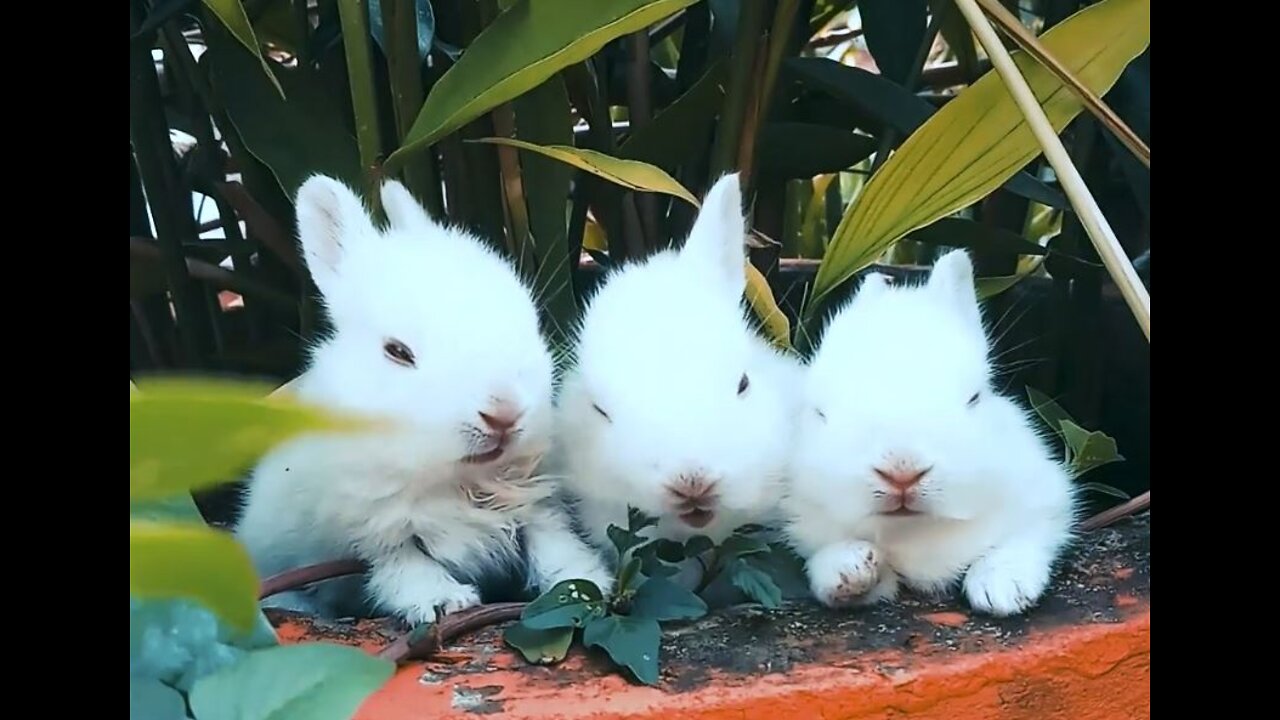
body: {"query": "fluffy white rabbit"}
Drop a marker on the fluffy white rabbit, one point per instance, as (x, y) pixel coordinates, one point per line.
(675, 405)
(436, 335)
(909, 467)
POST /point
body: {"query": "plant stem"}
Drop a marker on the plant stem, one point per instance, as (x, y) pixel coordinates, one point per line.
(404, 69)
(1082, 201)
(303, 576)
(426, 639)
(746, 44)
(356, 42)
(639, 112)
(1119, 512)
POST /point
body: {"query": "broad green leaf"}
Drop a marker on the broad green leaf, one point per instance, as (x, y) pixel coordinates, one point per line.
(739, 545)
(1090, 449)
(519, 50)
(566, 605)
(894, 31)
(979, 140)
(653, 566)
(959, 232)
(232, 16)
(424, 13)
(755, 582)
(540, 647)
(697, 545)
(627, 173)
(682, 127)
(631, 642)
(802, 150)
(309, 681)
(668, 550)
(1105, 489)
(638, 520)
(762, 302)
(627, 577)
(543, 117)
(150, 699)
(991, 286)
(293, 137)
(1048, 409)
(169, 560)
(661, 599)
(188, 434)
(878, 105)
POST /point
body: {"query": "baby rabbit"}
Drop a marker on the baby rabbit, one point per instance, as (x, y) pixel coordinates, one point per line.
(435, 335)
(675, 405)
(910, 467)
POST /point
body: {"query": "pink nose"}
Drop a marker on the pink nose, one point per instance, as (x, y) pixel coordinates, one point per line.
(694, 489)
(501, 418)
(902, 478)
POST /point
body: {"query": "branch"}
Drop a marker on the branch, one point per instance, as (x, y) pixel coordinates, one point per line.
(425, 639)
(299, 577)
(1119, 512)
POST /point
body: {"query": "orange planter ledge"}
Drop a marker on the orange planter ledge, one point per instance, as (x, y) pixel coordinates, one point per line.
(1083, 654)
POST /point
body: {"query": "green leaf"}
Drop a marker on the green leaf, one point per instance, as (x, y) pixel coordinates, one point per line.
(959, 232)
(755, 582)
(627, 173)
(150, 699)
(979, 140)
(668, 550)
(187, 434)
(653, 566)
(680, 129)
(1049, 410)
(1089, 448)
(802, 150)
(631, 642)
(292, 137)
(168, 560)
(540, 647)
(991, 286)
(877, 105)
(310, 681)
(232, 16)
(738, 545)
(518, 51)
(628, 576)
(1106, 490)
(568, 604)
(696, 545)
(426, 23)
(543, 116)
(638, 520)
(760, 297)
(894, 30)
(661, 599)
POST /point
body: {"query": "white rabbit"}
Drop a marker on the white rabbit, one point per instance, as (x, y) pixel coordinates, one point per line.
(910, 467)
(436, 335)
(675, 405)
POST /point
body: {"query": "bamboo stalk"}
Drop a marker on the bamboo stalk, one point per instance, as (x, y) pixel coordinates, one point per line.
(1091, 217)
(1032, 46)
(354, 17)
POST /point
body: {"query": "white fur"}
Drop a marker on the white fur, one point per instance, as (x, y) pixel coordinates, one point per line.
(892, 381)
(662, 348)
(388, 495)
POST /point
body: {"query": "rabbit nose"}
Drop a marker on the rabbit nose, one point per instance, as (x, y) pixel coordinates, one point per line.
(902, 478)
(692, 489)
(501, 417)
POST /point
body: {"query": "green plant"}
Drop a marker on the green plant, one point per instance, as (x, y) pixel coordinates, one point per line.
(198, 646)
(1083, 450)
(626, 624)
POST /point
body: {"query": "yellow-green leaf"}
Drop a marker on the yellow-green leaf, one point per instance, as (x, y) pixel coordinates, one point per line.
(766, 308)
(631, 174)
(231, 14)
(196, 562)
(521, 48)
(992, 286)
(187, 434)
(980, 140)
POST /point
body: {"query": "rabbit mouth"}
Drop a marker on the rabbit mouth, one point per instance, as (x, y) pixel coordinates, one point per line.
(697, 518)
(902, 511)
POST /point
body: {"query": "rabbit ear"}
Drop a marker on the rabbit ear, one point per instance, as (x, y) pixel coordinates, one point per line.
(718, 235)
(403, 211)
(952, 282)
(329, 216)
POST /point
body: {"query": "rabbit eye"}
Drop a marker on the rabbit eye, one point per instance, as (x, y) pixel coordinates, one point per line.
(974, 400)
(398, 353)
(603, 414)
(820, 414)
(743, 384)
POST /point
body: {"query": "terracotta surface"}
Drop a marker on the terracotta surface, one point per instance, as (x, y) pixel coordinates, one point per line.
(1083, 654)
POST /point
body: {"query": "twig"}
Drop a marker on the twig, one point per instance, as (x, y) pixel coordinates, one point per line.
(1119, 512)
(425, 639)
(1082, 201)
(299, 577)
